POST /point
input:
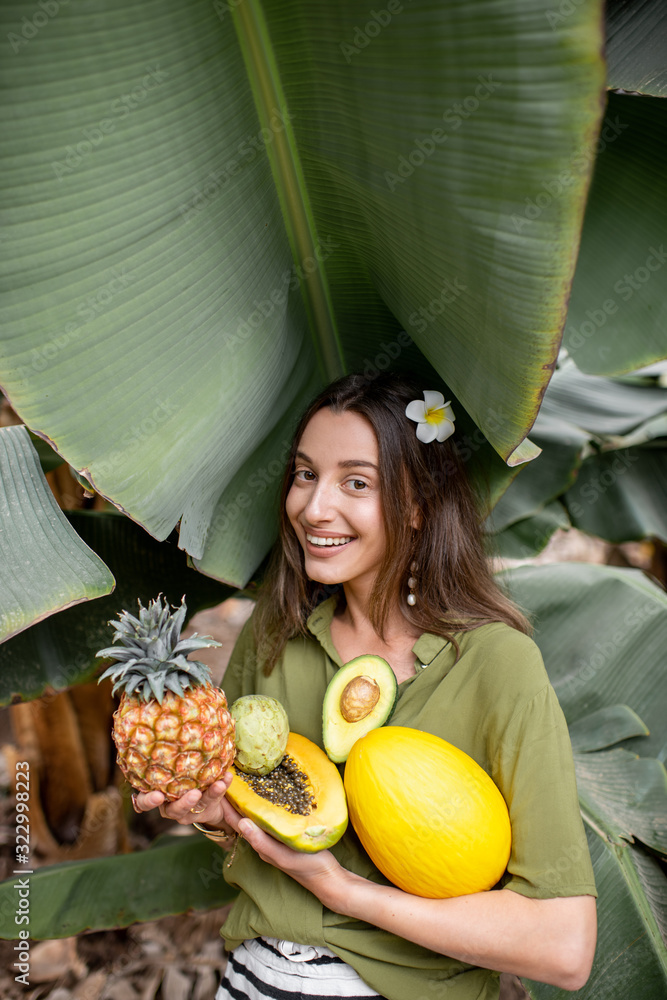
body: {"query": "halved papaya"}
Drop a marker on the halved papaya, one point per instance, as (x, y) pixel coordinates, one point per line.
(306, 806)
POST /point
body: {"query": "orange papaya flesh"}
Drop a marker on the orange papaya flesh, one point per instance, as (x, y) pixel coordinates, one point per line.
(324, 819)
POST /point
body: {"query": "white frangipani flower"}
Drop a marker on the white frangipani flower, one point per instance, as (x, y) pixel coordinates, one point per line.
(434, 417)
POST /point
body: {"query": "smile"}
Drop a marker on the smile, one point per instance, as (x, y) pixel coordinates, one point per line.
(316, 540)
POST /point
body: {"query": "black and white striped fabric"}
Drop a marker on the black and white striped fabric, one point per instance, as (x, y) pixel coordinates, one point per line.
(282, 970)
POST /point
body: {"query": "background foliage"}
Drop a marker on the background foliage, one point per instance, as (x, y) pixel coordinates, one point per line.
(212, 209)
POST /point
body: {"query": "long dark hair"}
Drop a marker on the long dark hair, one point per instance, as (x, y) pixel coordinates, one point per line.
(455, 588)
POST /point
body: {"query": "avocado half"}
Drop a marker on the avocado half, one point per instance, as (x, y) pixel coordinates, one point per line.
(360, 697)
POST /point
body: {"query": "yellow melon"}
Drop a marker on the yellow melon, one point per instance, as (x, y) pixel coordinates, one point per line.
(430, 818)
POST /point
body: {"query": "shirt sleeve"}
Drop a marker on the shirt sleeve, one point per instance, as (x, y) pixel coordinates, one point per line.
(534, 769)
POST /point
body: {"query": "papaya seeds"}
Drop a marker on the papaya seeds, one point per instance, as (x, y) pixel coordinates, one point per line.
(323, 819)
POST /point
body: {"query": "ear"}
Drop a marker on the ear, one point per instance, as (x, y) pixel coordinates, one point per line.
(416, 520)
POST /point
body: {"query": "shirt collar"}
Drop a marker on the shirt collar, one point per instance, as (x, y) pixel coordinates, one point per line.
(426, 648)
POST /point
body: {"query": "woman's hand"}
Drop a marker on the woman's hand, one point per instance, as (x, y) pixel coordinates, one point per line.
(320, 873)
(209, 808)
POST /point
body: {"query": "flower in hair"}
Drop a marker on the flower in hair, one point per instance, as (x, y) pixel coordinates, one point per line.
(434, 417)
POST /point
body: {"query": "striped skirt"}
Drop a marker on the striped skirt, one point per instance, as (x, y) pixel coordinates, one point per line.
(282, 970)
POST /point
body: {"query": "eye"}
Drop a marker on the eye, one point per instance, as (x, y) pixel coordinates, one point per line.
(357, 485)
(305, 475)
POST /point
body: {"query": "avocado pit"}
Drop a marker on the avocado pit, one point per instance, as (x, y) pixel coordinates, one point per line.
(359, 698)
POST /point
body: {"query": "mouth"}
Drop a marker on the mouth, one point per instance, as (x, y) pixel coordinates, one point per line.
(328, 541)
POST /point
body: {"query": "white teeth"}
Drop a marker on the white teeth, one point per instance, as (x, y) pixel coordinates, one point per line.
(316, 540)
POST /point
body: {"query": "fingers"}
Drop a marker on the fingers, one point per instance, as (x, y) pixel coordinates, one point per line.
(197, 807)
(230, 817)
(143, 801)
(192, 807)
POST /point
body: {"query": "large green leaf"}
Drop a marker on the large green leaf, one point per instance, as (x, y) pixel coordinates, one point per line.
(635, 50)
(604, 455)
(60, 651)
(44, 566)
(617, 317)
(601, 729)
(602, 633)
(175, 875)
(173, 171)
(620, 495)
(632, 902)
(562, 441)
(526, 537)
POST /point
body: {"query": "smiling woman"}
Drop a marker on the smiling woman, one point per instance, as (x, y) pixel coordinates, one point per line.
(379, 553)
(334, 504)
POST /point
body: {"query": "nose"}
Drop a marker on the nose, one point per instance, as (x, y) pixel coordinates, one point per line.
(320, 505)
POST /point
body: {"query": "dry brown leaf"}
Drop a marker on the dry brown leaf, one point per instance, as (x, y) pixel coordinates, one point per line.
(64, 778)
(91, 987)
(41, 838)
(53, 959)
(176, 985)
(60, 993)
(103, 830)
(206, 985)
(121, 989)
(151, 985)
(94, 707)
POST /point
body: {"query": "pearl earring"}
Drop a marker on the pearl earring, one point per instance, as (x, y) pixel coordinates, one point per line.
(412, 583)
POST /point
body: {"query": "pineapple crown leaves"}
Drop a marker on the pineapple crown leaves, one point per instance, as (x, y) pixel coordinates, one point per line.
(152, 657)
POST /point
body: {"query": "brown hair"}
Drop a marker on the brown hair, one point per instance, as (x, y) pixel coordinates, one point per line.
(456, 591)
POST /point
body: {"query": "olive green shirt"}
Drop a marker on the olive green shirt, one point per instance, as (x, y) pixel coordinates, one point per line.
(495, 703)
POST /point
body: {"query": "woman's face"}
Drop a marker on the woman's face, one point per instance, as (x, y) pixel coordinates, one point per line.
(334, 504)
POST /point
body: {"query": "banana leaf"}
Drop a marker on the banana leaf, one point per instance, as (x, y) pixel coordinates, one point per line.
(617, 662)
(617, 316)
(174, 875)
(527, 537)
(212, 209)
(620, 495)
(635, 50)
(45, 566)
(60, 651)
(612, 687)
(604, 457)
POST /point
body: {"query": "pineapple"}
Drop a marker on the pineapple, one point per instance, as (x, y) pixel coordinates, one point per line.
(172, 729)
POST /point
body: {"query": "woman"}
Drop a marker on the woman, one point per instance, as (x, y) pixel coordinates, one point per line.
(378, 507)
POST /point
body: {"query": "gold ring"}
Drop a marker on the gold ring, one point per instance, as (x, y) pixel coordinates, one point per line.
(198, 808)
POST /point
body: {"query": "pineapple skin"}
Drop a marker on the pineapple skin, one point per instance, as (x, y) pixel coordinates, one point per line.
(185, 742)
